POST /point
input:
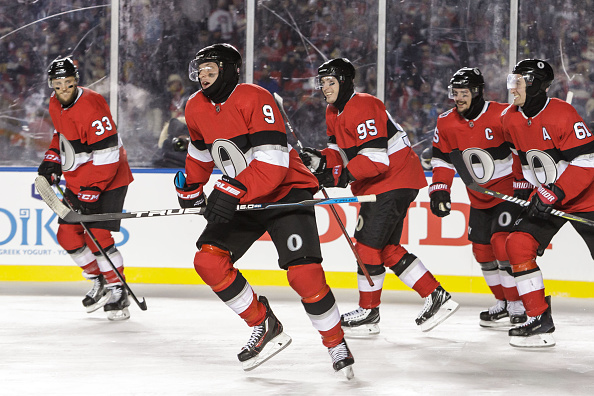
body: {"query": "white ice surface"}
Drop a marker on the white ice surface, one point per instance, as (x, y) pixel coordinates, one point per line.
(187, 341)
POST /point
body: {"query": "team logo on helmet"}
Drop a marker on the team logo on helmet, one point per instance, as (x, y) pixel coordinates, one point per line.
(62, 68)
(221, 54)
(341, 68)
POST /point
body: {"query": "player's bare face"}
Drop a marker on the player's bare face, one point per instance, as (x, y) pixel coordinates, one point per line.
(463, 99)
(207, 74)
(517, 87)
(330, 88)
(65, 89)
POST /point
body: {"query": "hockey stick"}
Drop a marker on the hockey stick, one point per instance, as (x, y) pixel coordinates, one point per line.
(279, 103)
(141, 304)
(71, 216)
(463, 170)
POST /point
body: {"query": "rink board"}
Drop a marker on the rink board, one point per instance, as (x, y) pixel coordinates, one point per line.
(161, 250)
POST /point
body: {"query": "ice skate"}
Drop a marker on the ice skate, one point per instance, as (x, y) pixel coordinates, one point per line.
(98, 296)
(342, 359)
(517, 313)
(493, 317)
(117, 306)
(267, 340)
(438, 307)
(361, 322)
(536, 332)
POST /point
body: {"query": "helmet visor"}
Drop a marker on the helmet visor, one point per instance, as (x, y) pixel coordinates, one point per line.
(319, 80)
(514, 80)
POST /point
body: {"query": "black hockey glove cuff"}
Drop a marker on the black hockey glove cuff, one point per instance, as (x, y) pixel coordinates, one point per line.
(223, 200)
(88, 199)
(522, 189)
(441, 203)
(544, 199)
(313, 159)
(51, 167)
(188, 196)
(335, 177)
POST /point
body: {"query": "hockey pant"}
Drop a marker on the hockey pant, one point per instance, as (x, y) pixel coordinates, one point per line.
(522, 248)
(496, 268)
(407, 267)
(215, 268)
(81, 248)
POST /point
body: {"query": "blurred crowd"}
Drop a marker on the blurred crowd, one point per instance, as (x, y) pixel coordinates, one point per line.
(426, 42)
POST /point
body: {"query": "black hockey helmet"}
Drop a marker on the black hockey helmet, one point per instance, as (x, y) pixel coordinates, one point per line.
(222, 54)
(470, 78)
(537, 73)
(62, 68)
(341, 68)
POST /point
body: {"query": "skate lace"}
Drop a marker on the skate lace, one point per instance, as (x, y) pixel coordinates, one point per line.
(339, 352)
(498, 307)
(528, 322)
(116, 294)
(427, 306)
(358, 313)
(255, 337)
(96, 287)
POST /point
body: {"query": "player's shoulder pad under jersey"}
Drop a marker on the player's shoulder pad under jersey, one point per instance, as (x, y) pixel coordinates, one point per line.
(506, 109)
(445, 114)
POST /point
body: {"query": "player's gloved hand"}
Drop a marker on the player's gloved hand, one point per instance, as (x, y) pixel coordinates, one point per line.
(51, 167)
(338, 176)
(522, 189)
(88, 200)
(313, 159)
(543, 200)
(223, 200)
(188, 196)
(441, 203)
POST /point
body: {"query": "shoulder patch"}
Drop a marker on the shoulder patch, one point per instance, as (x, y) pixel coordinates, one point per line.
(442, 115)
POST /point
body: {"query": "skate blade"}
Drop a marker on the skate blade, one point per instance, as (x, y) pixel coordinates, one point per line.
(496, 324)
(444, 312)
(347, 372)
(118, 314)
(99, 304)
(273, 347)
(363, 331)
(545, 340)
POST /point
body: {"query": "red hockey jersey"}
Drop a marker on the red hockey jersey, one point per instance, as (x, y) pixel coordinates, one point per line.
(91, 151)
(245, 138)
(555, 146)
(484, 137)
(373, 147)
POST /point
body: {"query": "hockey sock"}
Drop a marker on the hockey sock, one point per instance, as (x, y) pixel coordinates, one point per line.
(309, 282)
(106, 269)
(485, 256)
(508, 284)
(370, 296)
(410, 270)
(214, 266)
(530, 287)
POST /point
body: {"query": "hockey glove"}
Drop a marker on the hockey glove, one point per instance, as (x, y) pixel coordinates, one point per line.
(335, 177)
(543, 200)
(313, 159)
(522, 189)
(188, 196)
(223, 200)
(441, 203)
(51, 167)
(88, 199)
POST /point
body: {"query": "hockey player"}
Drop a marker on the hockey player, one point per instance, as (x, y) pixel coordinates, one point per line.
(556, 151)
(367, 148)
(474, 127)
(87, 151)
(239, 128)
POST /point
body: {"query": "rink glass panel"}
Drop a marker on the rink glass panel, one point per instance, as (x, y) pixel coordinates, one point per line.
(426, 41)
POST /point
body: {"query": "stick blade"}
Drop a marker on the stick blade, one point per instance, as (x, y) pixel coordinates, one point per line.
(50, 198)
(461, 168)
